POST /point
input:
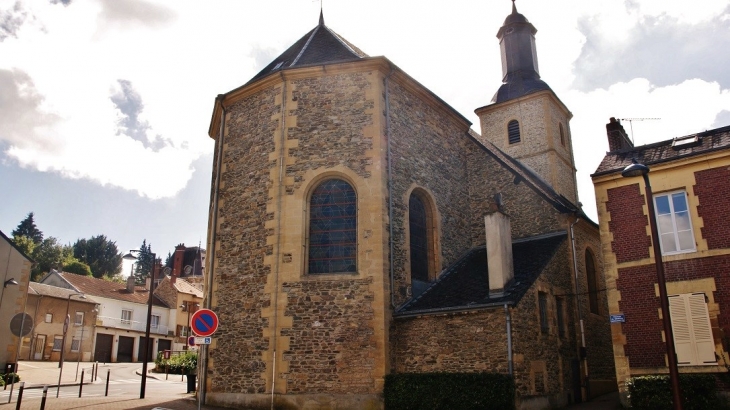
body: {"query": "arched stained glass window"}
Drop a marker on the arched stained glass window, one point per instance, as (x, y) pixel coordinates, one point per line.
(418, 226)
(592, 283)
(333, 228)
(513, 132)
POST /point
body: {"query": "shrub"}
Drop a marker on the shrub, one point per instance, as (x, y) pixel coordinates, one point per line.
(11, 377)
(445, 391)
(699, 392)
(184, 363)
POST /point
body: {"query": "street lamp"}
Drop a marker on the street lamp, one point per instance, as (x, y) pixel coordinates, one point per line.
(63, 341)
(635, 170)
(145, 349)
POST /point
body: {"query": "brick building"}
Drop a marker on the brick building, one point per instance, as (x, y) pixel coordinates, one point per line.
(690, 182)
(359, 227)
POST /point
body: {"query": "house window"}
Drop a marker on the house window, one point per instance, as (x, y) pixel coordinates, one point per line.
(513, 132)
(75, 344)
(592, 283)
(79, 319)
(49, 317)
(673, 222)
(126, 316)
(542, 306)
(57, 342)
(693, 339)
(332, 228)
(418, 227)
(155, 322)
(183, 331)
(559, 306)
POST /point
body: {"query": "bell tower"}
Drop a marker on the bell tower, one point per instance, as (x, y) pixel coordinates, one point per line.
(526, 119)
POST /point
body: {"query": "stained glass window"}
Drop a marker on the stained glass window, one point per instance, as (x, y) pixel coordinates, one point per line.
(333, 228)
(417, 222)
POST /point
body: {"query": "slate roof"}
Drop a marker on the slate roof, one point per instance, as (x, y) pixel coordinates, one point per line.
(320, 46)
(663, 151)
(465, 284)
(108, 289)
(41, 289)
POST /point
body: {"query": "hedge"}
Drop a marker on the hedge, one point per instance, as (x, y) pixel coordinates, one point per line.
(184, 363)
(449, 391)
(698, 392)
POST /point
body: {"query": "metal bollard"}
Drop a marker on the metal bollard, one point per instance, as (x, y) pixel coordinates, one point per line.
(43, 400)
(20, 395)
(81, 385)
(106, 393)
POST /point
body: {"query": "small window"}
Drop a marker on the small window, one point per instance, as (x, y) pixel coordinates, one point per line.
(559, 306)
(75, 344)
(562, 134)
(513, 132)
(695, 345)
(155, 322)
(126, 316)
(57, 342)
(592, 282)
(49, 317)
(333, 228)
(79, 319)
(674, 223)
(542, 305)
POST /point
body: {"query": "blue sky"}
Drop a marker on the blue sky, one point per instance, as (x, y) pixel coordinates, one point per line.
(105, 105)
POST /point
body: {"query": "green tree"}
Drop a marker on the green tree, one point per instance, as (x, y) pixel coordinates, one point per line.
(145, 262)
(168, 260)
(27, 228)
(101, 254)
(25, 244)
(50, 254)
(78, 268)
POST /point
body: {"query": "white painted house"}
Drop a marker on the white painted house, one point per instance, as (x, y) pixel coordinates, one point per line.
(120, 326)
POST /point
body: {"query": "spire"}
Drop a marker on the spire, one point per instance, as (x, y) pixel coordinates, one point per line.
(514, 8)
(321, 16)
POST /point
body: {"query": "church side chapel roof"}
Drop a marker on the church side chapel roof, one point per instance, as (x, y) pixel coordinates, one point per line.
(664, 151)
(320, 46)
(465, 284)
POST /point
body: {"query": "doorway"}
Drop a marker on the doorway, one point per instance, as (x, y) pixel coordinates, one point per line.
(126, 349)
(103, 352)
(40, 345)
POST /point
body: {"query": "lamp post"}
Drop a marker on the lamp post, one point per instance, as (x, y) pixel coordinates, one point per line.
(635, 170)
(145, 349)
(63, 341)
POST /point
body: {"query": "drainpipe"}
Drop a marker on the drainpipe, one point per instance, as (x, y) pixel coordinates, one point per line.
(390, 186)
(208, 301)
(577, 298)
(508, 317)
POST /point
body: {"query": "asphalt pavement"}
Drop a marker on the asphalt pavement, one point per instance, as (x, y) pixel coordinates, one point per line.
(36, 375)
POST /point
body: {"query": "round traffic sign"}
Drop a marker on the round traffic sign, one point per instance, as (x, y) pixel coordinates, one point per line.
(204, 322)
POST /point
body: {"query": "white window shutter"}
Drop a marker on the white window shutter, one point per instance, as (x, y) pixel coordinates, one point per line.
(681, 329)
(702, 329)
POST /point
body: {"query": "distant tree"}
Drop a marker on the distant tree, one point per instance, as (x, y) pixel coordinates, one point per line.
(25, 244)
(145, 262)
(27, 228)
(168, 260)
(78, 268)
(101, 254)
(49, 254)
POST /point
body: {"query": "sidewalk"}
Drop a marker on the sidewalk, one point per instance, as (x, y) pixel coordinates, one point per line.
(608, 401)
(38, 374)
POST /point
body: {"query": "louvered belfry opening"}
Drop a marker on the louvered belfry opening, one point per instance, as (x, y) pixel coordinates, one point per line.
(513, 132)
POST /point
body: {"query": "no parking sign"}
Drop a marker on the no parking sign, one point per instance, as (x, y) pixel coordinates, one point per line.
(204, 322)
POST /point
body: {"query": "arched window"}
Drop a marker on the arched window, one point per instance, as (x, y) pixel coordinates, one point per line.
(513, 132)
(562, 134)
(418, 226)
(591, 278)
(333, 228)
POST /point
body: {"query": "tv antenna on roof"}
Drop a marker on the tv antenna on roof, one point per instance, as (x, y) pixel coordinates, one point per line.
(631, 124)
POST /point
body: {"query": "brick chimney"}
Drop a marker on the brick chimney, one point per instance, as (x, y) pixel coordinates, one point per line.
(499, 252)
(617, 138)
(177, 262)
(130, 284)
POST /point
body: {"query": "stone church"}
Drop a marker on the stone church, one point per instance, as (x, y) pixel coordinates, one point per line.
(359, 227)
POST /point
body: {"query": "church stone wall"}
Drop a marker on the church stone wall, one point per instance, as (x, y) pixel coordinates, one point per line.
(236, 358)
(429, 152)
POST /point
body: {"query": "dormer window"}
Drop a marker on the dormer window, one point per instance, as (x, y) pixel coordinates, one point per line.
(513, 132)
